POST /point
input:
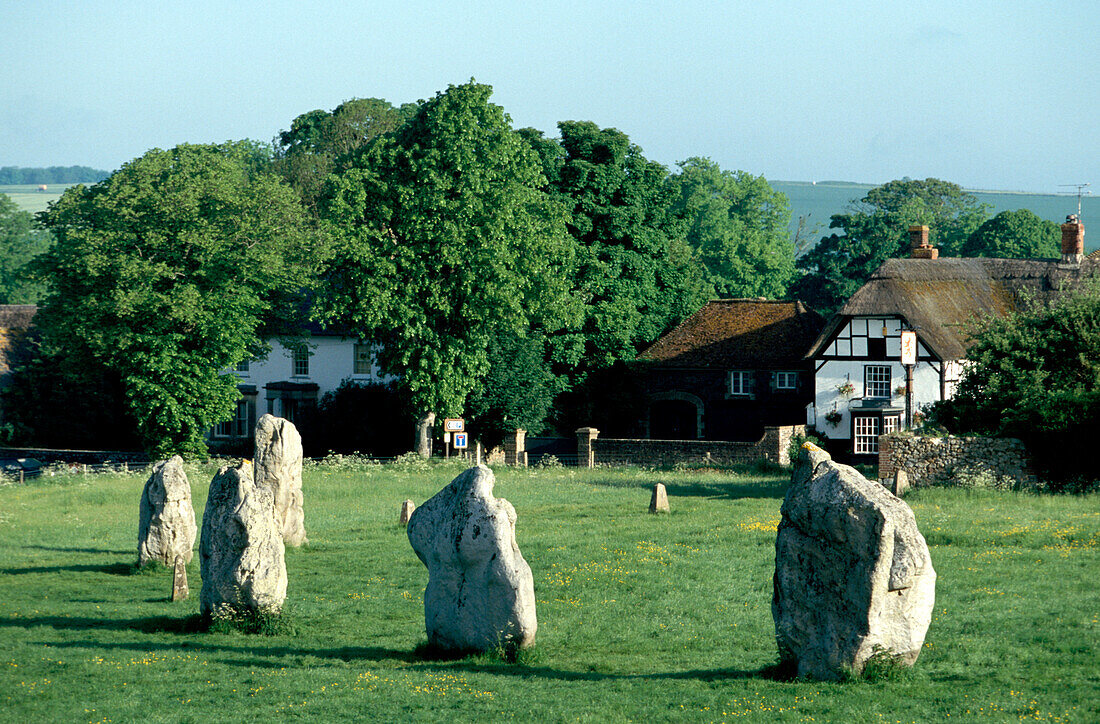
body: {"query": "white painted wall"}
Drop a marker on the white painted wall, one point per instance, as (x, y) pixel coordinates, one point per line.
(833, 374)
(331, 361)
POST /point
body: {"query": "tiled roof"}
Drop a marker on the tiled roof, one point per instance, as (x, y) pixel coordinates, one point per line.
(733, 333)
(17, 316)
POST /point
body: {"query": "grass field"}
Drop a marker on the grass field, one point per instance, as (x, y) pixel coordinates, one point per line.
(641, 618)
(29, 198)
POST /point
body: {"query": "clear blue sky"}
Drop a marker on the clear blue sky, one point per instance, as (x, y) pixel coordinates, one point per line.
(996, 95)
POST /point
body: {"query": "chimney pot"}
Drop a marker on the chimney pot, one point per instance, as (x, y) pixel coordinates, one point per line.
(1073, 240)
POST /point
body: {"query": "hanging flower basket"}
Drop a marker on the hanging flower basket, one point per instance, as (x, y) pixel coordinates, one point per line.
(833, 418)
(900, 391)
(846, 389)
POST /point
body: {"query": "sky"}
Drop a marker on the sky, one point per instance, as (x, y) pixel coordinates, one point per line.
(990, 95)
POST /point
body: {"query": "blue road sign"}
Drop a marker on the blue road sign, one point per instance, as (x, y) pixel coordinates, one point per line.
(460, 440)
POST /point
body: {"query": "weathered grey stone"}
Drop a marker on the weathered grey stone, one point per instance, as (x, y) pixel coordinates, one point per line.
(180, 590)
(278, 467)
(407, 509)
(241, 552)
(852, 572)
(480, 592)
(166, 518)
(899, 484)
(658, 502)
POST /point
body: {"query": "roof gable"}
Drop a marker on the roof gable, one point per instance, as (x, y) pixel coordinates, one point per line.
(738, 333)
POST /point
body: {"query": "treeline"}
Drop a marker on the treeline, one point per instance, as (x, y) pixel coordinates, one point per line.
(507, 277)
(15, 175)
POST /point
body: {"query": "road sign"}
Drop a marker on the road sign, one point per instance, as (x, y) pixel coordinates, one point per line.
(461, 440)
(454, 424)
(908, 348)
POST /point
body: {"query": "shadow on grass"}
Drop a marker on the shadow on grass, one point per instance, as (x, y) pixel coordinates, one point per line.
(77, 550)
(114, 569)
(711, 489)
(773, 672)
(150, 624)
(277, 654)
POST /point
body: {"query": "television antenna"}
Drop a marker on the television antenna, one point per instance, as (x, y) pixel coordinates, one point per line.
(1081, 191)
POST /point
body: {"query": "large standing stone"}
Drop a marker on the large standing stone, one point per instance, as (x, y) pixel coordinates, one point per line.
(166, 518)
(852, 572)
(241, 551)
(278, 464)
(480, 592)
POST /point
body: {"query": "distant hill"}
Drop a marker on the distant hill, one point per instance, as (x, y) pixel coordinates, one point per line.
(819, 201)
(15, 175)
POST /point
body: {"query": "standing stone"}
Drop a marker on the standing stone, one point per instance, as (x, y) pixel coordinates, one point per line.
(180, 591)
(278, 464)
(899, 484)
(407, 509)
(241, 551)
(166, 519)
(480, 593)
(852, 572)
(658, 503)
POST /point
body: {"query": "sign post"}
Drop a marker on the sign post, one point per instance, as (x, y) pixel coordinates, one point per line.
(908, 359)
(453, 425)
(461, 441)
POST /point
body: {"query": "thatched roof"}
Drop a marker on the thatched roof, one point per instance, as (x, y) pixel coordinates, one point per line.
(738, 333)
(939, 297)
(17, 316)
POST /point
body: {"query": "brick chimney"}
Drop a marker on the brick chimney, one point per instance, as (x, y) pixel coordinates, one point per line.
(918, 239)
(1073, 240)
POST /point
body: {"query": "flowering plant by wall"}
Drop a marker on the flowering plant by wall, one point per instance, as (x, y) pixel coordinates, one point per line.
(846, 389)
(833, 418)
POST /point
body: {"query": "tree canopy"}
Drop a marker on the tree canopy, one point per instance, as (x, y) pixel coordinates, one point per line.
(1015, 235)
(163, 273)
(1035, 375)
(445, 240)
(877, 229)
(737, 225)
(20, 241)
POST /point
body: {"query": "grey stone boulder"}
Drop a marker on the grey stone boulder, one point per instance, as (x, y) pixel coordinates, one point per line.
(278, 467)
(166, 518)
(480, 594)
(241, 553)
(853, 576)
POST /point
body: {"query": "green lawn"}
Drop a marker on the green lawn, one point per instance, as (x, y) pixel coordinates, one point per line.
(29, 198)
(641, 618)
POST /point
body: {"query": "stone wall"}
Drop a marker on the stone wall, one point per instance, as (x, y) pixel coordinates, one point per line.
(932, 460)
(666, 453)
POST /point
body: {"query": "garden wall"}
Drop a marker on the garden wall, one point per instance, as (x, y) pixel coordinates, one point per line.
(666, 453)
(932, 460)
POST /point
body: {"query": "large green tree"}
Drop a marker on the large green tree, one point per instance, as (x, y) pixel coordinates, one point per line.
(446, 240)
(1035, 375)
(737, 225)
(636, 272)
(311, 150)
(20, 241)
(876, 229)
(162, 275)
(1015, 235)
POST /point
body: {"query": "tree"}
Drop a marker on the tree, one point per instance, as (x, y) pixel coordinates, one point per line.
(1035, 375)
(877, 230)
(310, 150)
(635, 270)
(737, 225)
(20, 241)
(446, 241)
(1015, 235)
(162, 275)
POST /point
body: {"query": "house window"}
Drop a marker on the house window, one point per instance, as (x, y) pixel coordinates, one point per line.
(300, 364)
(786, 380)
(890, 424)
(362, 359)
(238, 425)
(876, 381)
(242, 366)
(741, 384)
(866, 435)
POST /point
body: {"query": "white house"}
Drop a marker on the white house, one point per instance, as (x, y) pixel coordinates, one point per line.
(859, 381)
(289, 378)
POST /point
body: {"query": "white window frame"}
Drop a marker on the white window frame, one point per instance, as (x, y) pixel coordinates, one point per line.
(299, 361)
(890, 423)
(790, 377)
(877, 381)
(865, 432)
(742, 383)
(362, 356)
